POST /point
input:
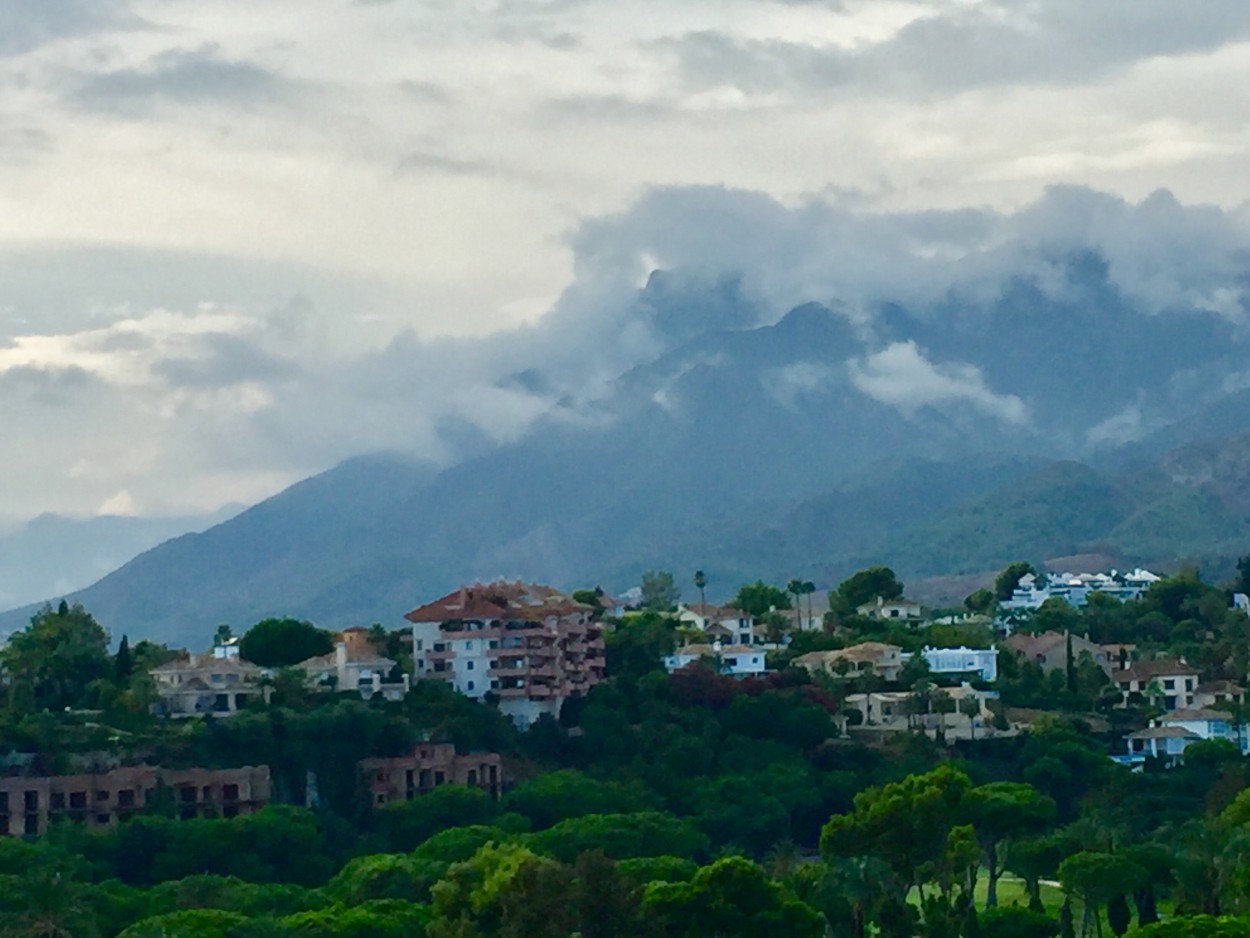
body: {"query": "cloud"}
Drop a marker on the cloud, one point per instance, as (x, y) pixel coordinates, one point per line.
(954, 47)
(180, 76)
(901, 376)
(25, 26)
(791, 382)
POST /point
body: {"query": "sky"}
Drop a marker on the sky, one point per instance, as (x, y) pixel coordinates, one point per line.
(242, 241)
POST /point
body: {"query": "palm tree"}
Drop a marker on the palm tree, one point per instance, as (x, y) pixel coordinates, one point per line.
(808, 588)
(700, 583)
(795, 589)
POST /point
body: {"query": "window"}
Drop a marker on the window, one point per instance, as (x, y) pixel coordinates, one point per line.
(469, 666)
(468, 646)
(469, 685)
(101, 796)
(1169, 684)
(420, 644)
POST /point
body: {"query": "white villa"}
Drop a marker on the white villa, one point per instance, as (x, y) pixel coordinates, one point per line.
(1074, 588)
(962, 660)
(734, 660)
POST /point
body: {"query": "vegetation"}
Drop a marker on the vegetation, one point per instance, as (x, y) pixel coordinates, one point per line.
(657, 805)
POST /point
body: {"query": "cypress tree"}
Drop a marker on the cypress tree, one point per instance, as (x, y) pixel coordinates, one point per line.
(123, 664)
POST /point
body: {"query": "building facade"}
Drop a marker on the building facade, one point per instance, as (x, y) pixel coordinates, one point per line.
(1074, 588)
(878, 658)
(529, 646)
(720, 623)
(962, 660)
(428, 766)
(355, 665)
(1165, 683)
(893, 610)
(734, 660)
(217, 682)
(29, 804)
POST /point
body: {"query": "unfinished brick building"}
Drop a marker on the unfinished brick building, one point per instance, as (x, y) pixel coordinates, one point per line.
(428, 766)
(29, 804)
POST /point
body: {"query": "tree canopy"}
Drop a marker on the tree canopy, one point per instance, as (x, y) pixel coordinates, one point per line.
(279, 643)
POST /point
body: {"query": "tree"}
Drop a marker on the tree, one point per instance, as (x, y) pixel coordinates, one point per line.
(277, 643)
(758, 598)
(1001, 812)
(123, 664)
(732, 898)
(980, 602)
(54, 660)
(865, 586)
(970, 706)
(1006, 582)
(1242, 583)
(659, 592)
(700, 583)
(796, 589)
(1097, 878)
(223, 634)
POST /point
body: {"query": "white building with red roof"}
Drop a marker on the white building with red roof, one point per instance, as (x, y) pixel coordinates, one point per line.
(529, 646)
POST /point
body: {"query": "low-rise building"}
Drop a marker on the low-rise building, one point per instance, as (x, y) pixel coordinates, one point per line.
(28, 805)
(734, 660)
(893, 610)
(1166, 683)
(1074, 588)
(217, 682)
(1049, 650)
(905, 710)
(878, 658)
(720, 623)
(528, 646)
(1216, 695)
(355, 665)
(962, 660)
(428, 766)
(1168, 736)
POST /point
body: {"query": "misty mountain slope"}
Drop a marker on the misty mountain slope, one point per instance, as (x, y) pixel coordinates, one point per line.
(806, 446)
(52, 554)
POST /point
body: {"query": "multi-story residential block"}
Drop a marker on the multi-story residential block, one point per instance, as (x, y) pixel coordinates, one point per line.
(29, 804)
(1074, 588)
(529, 646)
(355, 665)
(428, 766)
(734, 660)
(867, 657)
(218, 682)
(1166, 683)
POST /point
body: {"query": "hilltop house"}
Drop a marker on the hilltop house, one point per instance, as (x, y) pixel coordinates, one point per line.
(1171, 734)
(962, 660)
(896, 711)
(1163, 683)
(1074, 588)
(355, 665)
(217, 682)
(719, 623)
(866, 657)
(529, 646)
(734, 660)
(1049, 650)
(901, 610)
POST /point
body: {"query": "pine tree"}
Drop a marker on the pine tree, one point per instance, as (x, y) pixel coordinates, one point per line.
(123, 664)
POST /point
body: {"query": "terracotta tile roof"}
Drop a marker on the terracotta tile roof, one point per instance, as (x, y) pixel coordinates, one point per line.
(1164, 732)
(503, 599)
(1149, 670)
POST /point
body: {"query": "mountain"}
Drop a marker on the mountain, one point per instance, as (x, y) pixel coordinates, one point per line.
(53, 555)
(943, 440)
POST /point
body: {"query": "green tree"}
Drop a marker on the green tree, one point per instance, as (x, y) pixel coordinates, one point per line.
(659, 592)
(56, 658)
(980, 602)
(1009, 578)
(758, 598)
(1001, 812)
(278, 643)
(732, 898)
(700, 583)
(552, 797)
(1096, 878)
(866, 586)
(123, 663)
(1242, 583)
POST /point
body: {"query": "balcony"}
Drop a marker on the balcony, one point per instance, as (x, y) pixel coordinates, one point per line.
(442, 654)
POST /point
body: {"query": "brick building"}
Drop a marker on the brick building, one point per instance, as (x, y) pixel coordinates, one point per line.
(429, 765)
(29, 804)
(529, 646)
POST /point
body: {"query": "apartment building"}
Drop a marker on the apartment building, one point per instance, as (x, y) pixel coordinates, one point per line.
(528, 646)
(1074, 588)
(29, 804)
(428, 766)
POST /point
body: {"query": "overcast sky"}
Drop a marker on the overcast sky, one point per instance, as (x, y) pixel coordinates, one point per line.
(241, 240)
